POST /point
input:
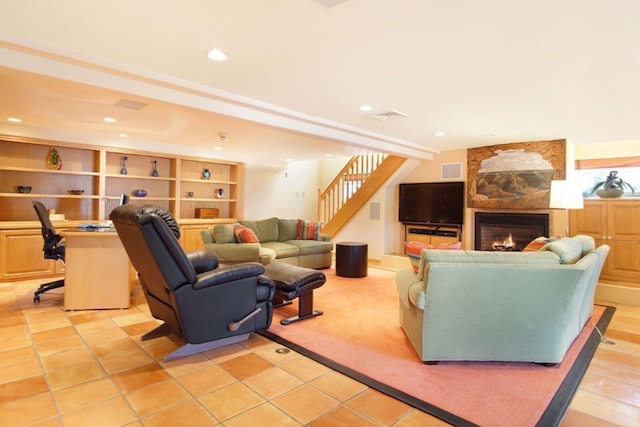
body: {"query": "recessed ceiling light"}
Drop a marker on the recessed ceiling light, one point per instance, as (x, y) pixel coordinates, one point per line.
(438, 134)
(14, 119)
(218, 148)
(124, 135)
(365, 107)
(110, 120)
(328, 155)
(217, 55)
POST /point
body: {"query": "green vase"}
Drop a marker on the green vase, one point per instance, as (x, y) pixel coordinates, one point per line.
(53, 159)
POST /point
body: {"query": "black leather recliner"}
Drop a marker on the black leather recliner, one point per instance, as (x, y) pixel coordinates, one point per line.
(205, 304)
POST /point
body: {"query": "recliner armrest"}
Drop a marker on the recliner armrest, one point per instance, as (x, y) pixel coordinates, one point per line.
(227, 274)
(203, 260)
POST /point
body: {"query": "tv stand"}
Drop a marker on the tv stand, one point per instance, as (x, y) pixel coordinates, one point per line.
(432, 234)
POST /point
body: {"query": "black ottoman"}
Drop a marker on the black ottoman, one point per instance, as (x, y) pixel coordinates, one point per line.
(295, 282)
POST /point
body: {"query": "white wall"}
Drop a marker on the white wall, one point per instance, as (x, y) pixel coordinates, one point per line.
(284, 193)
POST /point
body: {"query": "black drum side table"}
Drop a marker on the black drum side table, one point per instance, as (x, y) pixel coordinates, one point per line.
(351, 259)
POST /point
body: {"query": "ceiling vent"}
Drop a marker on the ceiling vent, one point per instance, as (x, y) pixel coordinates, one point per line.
(390, 115)
(132, 105)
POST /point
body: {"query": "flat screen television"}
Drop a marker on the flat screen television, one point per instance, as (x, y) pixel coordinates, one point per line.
(439, 203)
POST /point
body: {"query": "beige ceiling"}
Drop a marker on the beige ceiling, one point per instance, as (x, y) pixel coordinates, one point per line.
(483, 73)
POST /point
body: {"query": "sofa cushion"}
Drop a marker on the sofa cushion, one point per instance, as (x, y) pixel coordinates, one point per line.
(223, 233)
(414, 249)
(308, 230)
(587, 243)
(309, 247)
(265, 229)
(568, 250)
(287, 229)
(282, 250)
(244, 234)
(482, 257)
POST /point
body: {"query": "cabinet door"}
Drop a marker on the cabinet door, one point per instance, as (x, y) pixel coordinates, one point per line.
(592, 220)
(623, 261)
(22, 255)
(623, 220)
(191, 239)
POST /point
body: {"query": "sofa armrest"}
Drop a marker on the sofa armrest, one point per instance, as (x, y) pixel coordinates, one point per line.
(207, 235)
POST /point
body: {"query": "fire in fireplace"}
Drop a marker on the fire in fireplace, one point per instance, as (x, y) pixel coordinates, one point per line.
(508, 231)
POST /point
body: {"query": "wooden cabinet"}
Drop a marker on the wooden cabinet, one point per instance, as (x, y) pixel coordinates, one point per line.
(22, 256)
(176, 183)
(615, 222)
(431, 234)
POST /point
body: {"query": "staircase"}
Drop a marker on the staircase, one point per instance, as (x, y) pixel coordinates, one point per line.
(352, 187)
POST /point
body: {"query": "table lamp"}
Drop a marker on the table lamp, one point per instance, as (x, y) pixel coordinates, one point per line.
(565, 195)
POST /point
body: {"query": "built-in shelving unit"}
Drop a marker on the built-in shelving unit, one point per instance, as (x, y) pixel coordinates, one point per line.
(179, 186)
(103, 175)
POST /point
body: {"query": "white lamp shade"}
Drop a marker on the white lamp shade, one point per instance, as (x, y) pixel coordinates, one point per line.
(565, 195)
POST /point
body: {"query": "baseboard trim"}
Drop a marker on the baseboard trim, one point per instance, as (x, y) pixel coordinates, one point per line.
(618, 294)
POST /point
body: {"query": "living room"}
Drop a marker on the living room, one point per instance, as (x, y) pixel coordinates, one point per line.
(81, 45)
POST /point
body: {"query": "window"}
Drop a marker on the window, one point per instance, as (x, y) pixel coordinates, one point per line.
(590, 177)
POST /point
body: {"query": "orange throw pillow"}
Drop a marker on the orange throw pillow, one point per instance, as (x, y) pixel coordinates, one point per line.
(415, 248)
(244, 234)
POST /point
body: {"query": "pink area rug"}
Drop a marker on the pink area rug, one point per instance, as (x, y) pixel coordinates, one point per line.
(360, 335)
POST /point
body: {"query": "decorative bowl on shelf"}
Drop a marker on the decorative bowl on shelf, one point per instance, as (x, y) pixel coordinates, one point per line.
(24, 189)
(139, 193)
(76, 192)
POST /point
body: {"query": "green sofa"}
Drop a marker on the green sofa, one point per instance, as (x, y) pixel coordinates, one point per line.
(277, 242)
(500, 306)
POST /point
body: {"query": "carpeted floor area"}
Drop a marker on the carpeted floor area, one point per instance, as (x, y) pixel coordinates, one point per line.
(360, 335)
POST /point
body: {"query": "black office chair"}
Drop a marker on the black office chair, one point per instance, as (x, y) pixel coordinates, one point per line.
(207, 305)
(53, 248)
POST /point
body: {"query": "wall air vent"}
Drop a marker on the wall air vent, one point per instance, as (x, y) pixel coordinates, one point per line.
(132, 105)
(390, 115)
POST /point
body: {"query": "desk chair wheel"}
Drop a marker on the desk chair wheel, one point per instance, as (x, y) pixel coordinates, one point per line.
(36, 298)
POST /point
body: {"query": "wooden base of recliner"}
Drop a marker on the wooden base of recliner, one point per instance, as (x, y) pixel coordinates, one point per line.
(188, 349)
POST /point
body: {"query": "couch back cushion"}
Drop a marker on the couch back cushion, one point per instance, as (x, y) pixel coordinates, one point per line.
(223, 233)
(266, 230)
(287, 229)
(485, 257)
(414, 250)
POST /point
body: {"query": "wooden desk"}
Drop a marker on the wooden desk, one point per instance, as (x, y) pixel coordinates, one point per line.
(96, 270)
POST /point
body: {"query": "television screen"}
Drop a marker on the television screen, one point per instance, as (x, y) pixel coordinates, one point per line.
(432, 203)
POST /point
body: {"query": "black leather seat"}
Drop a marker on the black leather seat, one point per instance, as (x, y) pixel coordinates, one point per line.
(205, 304)
(53, 248)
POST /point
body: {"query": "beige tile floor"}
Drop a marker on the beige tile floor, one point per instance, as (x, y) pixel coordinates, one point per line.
(89, 368)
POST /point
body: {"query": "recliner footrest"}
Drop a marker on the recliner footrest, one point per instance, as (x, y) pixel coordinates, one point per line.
(295, 282)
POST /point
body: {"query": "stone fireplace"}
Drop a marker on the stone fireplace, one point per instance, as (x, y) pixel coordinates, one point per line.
(508, 231)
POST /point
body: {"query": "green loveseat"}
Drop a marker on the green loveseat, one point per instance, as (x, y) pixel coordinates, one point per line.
(278, 241)
(500, 306)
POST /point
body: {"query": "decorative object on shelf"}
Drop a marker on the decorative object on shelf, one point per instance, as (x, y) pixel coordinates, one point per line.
(189, 193)
(206, 174)
(611, 187)
(53, 159)
(154, 172)
(207, 213)
(219, 193)
(76, 192)
(139, 193)
(23, 189)
(123, 170)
